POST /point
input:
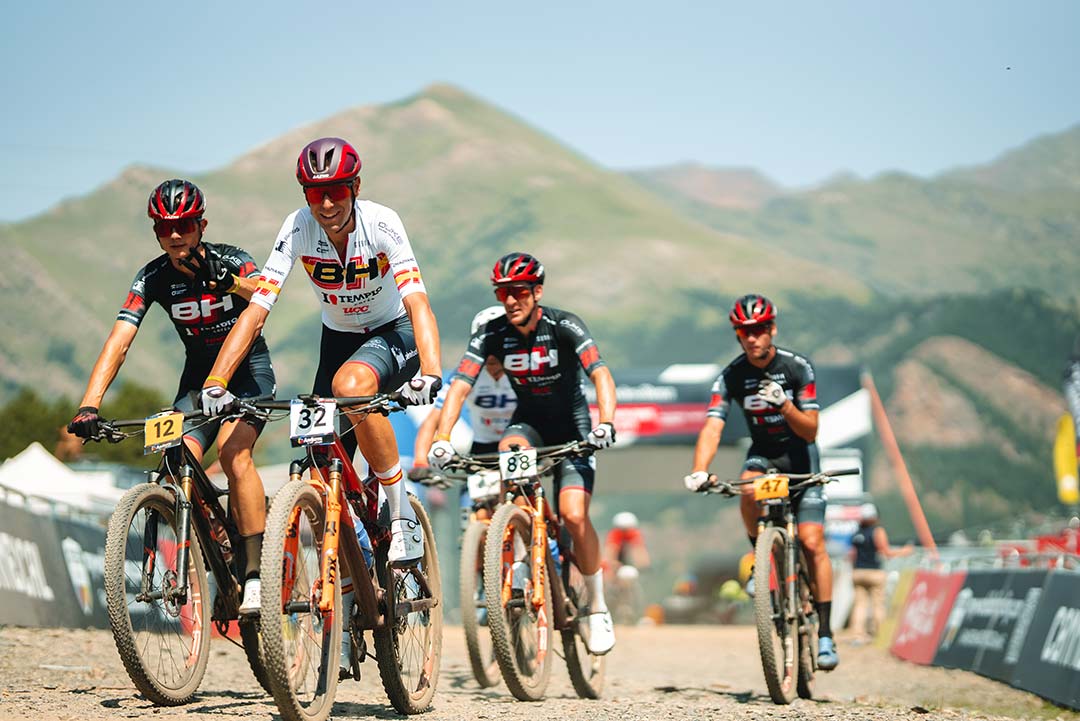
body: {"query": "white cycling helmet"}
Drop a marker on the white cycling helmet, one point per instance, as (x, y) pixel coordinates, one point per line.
(487, 314)
(867, 511)
(625, 520)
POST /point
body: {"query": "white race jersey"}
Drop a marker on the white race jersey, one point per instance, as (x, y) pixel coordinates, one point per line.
(365, 291)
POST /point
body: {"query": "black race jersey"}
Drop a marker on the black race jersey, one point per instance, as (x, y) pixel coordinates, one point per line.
(738, 385)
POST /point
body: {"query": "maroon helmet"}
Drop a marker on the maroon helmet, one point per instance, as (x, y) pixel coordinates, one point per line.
(175, 199)
(752, 309)
(517, 268)
(327, 161)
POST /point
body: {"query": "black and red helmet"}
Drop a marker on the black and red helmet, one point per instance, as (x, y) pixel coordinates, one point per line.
(327, 161)
(752, 309)
(175, 199)
(517, 268)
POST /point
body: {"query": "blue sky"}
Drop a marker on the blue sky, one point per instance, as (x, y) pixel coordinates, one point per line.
(797, 90)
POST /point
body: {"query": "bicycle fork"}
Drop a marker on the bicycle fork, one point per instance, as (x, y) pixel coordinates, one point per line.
(182, 512)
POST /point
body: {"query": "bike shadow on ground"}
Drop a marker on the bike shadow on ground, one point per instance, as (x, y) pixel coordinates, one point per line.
(343, 709)
(239, 699)
(740, 697)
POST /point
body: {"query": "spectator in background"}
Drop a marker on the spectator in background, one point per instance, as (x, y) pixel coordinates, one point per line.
(869, 544)
(1071, 387)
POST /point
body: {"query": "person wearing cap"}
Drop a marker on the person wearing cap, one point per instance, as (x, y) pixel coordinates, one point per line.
(868, 546)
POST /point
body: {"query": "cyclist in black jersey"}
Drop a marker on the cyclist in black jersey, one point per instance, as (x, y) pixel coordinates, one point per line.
(776, 390)
(542, 350)
(203, 287)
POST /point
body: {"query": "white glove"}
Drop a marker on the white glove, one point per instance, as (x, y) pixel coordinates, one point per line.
(696, 480)
(421, 391)
(216, 401)
(440, 454)
(772, 393)
(602, 436)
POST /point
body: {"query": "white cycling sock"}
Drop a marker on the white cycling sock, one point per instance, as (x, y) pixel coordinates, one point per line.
(394, 488)
(595, 585)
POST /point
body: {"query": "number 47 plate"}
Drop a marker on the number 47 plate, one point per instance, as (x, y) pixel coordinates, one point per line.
(311, 424)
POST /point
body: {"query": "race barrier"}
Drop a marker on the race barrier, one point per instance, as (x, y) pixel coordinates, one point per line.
(1017, 625)
(51, 570)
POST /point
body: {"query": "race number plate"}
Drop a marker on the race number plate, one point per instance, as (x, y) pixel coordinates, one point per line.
(484, 485)
(517, 464)
(163, 430)
(311, 424)
(768, 487)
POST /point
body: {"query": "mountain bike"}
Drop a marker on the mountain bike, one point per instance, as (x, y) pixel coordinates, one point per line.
(526, 547)
(784, 609)
(311, 544)
(160, 539)
(485, 493)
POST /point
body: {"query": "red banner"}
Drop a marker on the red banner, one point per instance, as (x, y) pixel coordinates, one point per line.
(925, 611)
(653, 420)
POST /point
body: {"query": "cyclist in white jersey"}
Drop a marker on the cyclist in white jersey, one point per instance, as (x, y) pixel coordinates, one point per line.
(378, 328)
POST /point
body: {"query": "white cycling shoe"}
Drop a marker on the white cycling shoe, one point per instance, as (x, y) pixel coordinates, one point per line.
(252, 603)
(601, 633)
(406, 542)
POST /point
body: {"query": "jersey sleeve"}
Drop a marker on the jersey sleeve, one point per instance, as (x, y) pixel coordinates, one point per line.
(239, 261)
(390, 238)
(719, 399)
(588, 354)
(135, 305)
(278, 266)
(805, 385)
(473, 360)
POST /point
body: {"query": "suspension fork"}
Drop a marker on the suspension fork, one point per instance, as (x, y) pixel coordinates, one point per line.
(292, 541)
(331, 536)
(538, 549)
(183, 534)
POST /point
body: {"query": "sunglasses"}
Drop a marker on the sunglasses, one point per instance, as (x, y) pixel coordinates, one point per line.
(165, 228)
(315, 193)
(747, 331)
(520, 292)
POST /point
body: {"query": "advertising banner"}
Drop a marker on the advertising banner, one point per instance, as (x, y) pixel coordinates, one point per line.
(83, 547)
(899, 595)
(1049, 663)
(989, 619)
(925, 612)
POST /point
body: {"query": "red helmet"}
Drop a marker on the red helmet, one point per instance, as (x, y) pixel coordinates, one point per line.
(327, 161)
(752, 309)
(175, 199)
(517, 268)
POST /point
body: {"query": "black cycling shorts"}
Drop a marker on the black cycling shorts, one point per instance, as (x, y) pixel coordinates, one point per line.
(571, 472)
(808, 504)
(389, 351)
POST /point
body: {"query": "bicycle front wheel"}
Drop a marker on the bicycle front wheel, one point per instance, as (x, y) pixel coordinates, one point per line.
(408, 646)
(521, 633)
(301, 645)
(808, 631)
(474, 606)
(776, 628)
(161, 634)
(587, 671)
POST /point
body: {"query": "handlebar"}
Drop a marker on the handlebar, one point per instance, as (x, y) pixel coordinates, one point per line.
(796, 481)
(485, 461)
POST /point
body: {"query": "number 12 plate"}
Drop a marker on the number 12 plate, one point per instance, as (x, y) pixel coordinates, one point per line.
(163, 430)
(311, 425)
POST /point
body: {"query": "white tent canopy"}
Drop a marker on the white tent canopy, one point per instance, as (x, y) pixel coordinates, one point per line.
(36, 472)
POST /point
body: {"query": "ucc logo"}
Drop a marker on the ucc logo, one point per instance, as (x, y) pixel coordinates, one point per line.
(331, 275)
(534, 361)
(195, 310)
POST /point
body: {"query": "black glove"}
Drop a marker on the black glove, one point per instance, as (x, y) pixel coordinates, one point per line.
(210, 269)
(85, 423)
(419, 474)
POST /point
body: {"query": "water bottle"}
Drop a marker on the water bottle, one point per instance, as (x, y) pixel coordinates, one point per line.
(554, 546)
(365, 544)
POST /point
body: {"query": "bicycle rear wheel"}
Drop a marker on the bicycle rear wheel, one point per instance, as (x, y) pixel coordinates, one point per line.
(485, 667)
(163, 639)
(520, 633)
(301, 645)
(776, 630)
(408, 646)
(587, 672)
(808, 631)
(250, 638)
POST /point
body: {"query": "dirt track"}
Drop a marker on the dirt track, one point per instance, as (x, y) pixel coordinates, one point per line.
(674, 672)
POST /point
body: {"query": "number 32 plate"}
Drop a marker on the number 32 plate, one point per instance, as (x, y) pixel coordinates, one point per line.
(311, 425)
(517, 464)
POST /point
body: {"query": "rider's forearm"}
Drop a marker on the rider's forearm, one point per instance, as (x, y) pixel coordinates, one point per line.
(237, 344)
(108, 363)
(605, 393)
(803, 423)
(245, 287)
(425, 434)
(707, 442)
(455, 398)
(427, 333)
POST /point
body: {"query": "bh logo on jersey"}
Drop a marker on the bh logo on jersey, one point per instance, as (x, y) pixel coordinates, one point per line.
(532, 362)
(331, 275)
(208, 308)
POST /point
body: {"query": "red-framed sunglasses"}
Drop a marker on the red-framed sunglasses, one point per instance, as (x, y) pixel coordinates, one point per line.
(315, 193)
(165, 228)
(520, 292)
(747, 331)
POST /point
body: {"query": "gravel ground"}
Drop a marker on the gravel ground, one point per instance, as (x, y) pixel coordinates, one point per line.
(668, 672)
